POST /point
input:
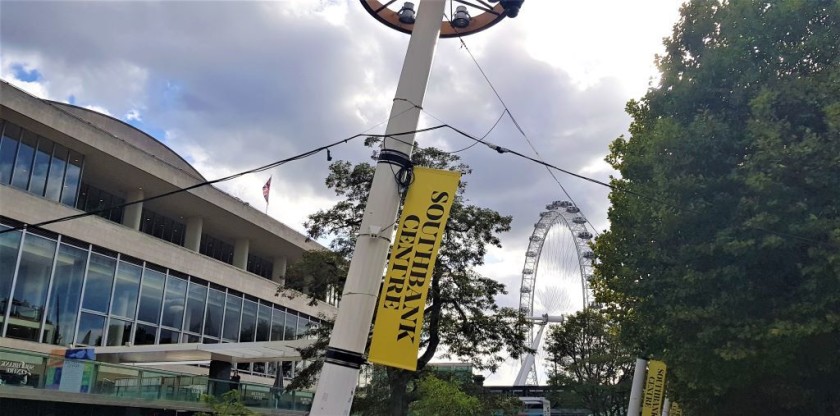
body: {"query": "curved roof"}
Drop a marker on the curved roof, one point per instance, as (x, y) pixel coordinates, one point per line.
(130, 135)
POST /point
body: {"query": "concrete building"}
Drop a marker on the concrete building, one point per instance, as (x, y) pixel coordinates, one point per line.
(177, 279)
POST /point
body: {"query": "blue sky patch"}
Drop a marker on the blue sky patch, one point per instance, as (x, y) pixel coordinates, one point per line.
(154, 131)
(20, 72)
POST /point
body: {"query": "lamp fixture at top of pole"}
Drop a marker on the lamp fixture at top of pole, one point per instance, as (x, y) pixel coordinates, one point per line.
(466, 18)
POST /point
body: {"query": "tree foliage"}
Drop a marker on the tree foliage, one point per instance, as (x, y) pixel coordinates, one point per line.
(318, 273)
(440, 397)
(588, 362)
(461, 312)
(730, 273)
(228, 404)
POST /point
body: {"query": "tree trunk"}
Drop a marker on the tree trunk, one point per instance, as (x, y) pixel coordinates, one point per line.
(399, 396)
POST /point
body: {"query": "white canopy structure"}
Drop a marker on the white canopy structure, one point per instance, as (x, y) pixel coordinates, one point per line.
(241, 352)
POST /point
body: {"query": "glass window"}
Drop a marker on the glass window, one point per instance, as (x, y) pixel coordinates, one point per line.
(31, 289)
(173, 302)
(259, 368)
(145, 335)
(189, 338)
(119, 332)
(291, 325)
(233, 312)
(196, 298)
(263, 322)
(100, 278)
(93, 199)
(72, 179)
(215, 248)
(23, 163)
(41, 167)
(259, 266)
(213, 317)
(151, 293)
(278, 320)
(249, 321)
(55, 179)
(90, 330)
(9, 245)
(162, 227)
(286, 368)
(302, 326)
(126, 290)
(8, 151)
(169, 337)
(66, 295)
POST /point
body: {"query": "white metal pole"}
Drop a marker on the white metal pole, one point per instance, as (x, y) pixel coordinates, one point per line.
(338, 379)
(666, 407)
(635, 406)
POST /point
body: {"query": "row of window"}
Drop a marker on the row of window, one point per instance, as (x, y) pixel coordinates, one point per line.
(93, 199)
(58, 290)
(38, 165)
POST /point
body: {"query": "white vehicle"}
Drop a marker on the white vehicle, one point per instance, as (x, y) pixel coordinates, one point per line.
(535, 406)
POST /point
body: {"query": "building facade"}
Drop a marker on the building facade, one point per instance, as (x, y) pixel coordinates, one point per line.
(193, 267)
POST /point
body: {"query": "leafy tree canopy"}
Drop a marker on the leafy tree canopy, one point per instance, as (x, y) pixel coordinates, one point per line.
(587, 361)
(731, 275)
(461, 312)
(228, 404)
(439, 397)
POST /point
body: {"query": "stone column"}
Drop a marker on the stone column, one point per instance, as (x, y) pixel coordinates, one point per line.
(240, 253)
(192, 237)
(278, 271)
(133, 214)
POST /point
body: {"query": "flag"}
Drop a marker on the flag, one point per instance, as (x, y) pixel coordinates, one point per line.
(267, 189)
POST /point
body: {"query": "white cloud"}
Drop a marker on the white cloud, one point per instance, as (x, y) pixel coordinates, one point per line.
(99, 109)
(133, 115)
(235, 85)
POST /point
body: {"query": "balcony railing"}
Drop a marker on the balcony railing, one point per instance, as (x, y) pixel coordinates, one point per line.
(24, 369)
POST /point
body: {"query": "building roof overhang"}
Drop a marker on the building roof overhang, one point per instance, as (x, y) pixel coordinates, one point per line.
(241, 352)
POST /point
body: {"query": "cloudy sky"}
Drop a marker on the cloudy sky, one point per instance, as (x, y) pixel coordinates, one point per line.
(238, 84)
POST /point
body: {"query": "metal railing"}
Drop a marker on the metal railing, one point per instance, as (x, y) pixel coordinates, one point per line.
(27, 369)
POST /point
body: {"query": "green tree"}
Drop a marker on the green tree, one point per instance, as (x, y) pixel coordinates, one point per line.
(439, 398)
(229, 404)
(731, 274)
(318, 274)
(587, 361)
(461, 312)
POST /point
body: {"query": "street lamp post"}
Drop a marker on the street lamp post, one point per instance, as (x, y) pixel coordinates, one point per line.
(345, 354)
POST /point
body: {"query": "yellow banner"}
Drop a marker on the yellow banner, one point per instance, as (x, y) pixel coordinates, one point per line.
(654, 389)
(675, 410)
(399, 316)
